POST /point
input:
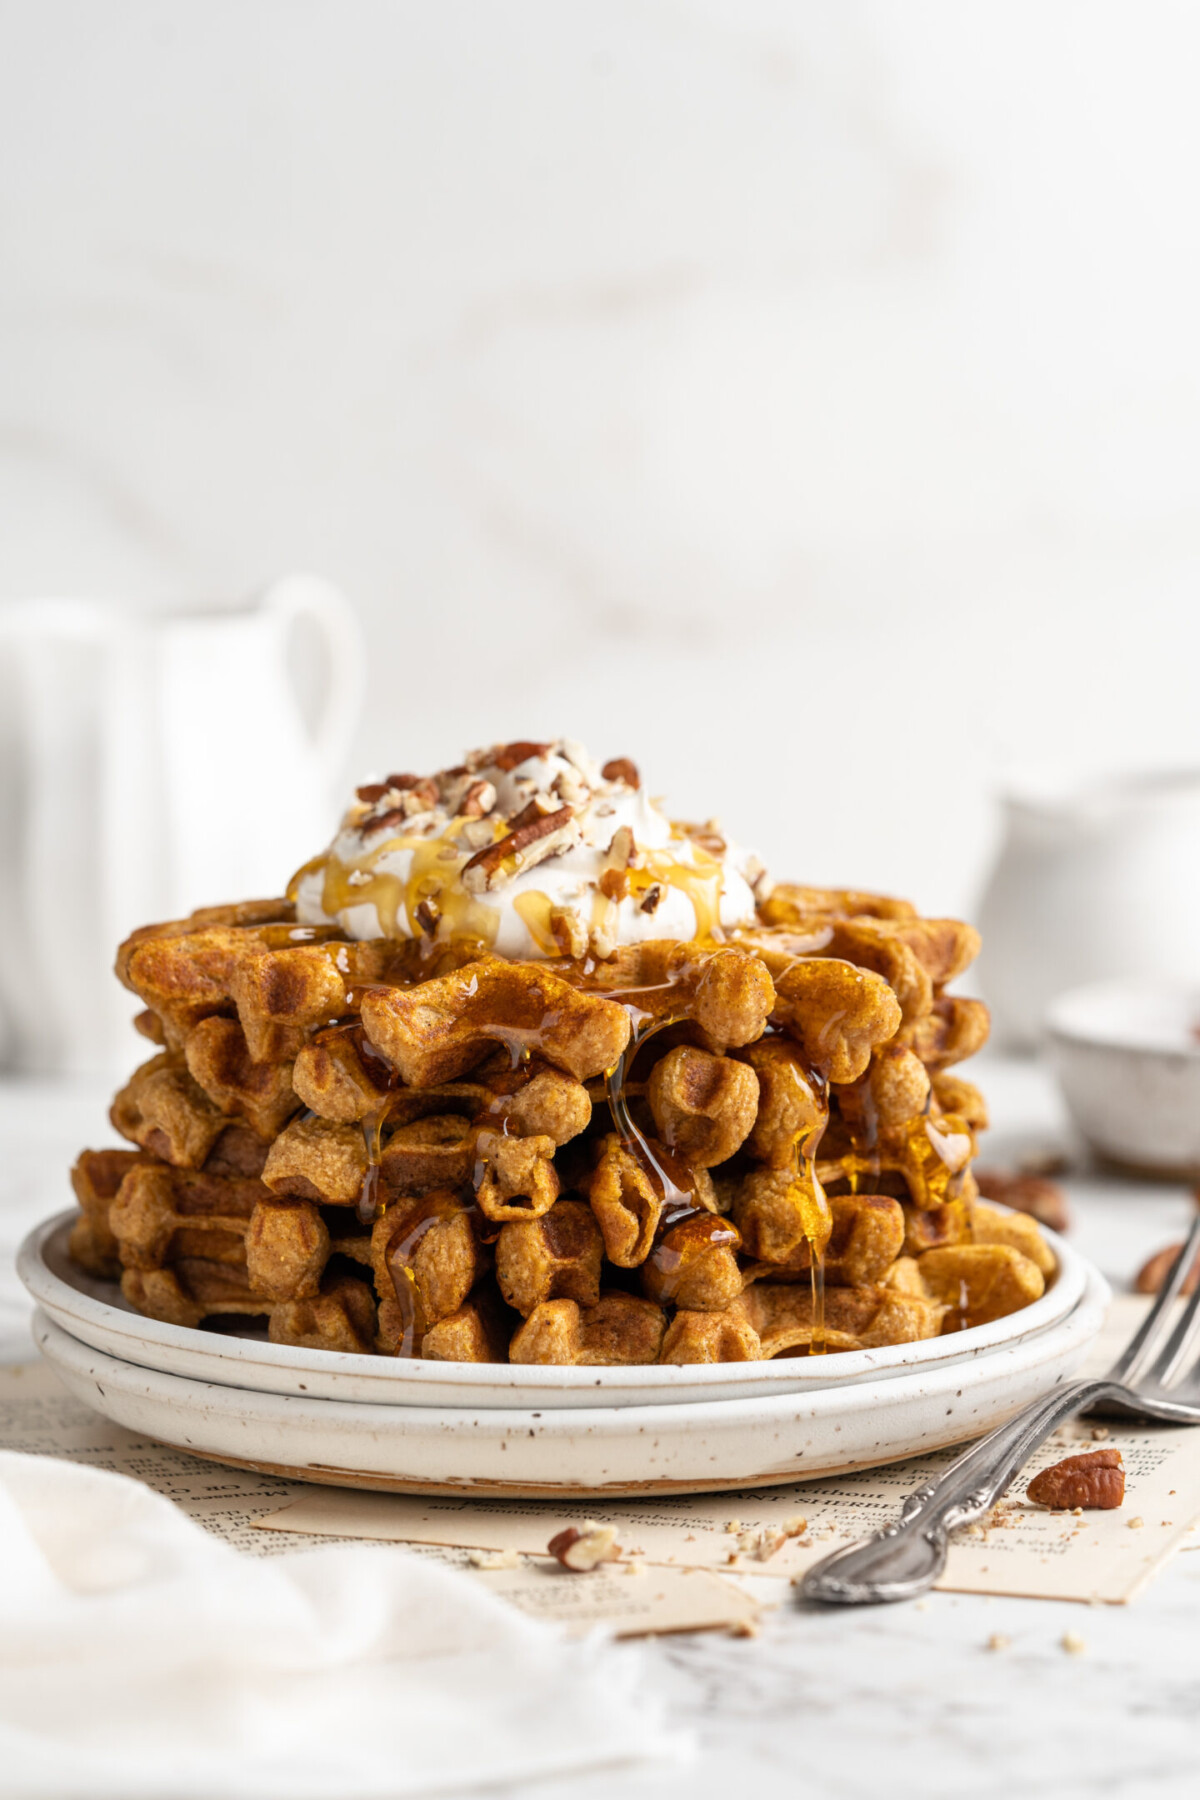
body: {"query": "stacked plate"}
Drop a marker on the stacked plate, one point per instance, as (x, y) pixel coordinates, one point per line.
(496, 1429)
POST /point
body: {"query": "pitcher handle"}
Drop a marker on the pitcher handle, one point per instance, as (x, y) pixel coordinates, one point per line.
(313, 599)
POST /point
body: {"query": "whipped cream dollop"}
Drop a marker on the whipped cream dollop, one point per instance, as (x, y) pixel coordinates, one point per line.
(530, 849)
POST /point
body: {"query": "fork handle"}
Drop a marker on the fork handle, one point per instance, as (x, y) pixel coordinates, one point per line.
(904, 1558)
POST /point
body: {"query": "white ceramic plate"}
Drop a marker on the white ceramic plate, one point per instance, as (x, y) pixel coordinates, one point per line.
(596, 1451)
(95, 1312)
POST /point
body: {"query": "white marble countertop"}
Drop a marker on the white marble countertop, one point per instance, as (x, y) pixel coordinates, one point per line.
(860, 1704)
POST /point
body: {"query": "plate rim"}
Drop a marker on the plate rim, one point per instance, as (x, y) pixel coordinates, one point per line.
(591, 1421)
(72, 1307)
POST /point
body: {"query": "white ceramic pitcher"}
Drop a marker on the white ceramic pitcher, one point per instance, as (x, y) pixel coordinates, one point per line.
(1091, 882)
(150, 762)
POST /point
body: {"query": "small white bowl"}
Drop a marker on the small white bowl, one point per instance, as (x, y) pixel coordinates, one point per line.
(1127, 1056)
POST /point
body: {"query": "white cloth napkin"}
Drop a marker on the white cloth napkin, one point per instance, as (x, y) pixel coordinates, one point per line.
(141, 1657)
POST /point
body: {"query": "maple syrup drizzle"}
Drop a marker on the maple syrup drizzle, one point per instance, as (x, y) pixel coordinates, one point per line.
(939, 1155)
(368, 1195)
(673, 1181)
(432, 888)
(668, 1174)
(402, 1247)
(383, 1076)
(863, 1120)
(684, 1229)
(682, 1225)
(534, 908)
(430, 902)
(401, 1251)
(492, 1121)
(806, 1190)
(933, 1155)
(405, 1242)
(702, 881)
(350, 1029)
(520, 1040)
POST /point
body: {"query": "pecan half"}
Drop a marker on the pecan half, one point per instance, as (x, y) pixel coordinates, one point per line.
(529, 844)
(1096, 1480)
(619, 768)
(509, 756)
(1152, 1274)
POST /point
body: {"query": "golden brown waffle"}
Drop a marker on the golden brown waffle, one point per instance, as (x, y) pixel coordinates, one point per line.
(683, 1152)
(341, 1316)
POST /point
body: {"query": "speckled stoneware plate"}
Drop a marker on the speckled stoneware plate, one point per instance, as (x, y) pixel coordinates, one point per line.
(593, 1451)
(95, 1313)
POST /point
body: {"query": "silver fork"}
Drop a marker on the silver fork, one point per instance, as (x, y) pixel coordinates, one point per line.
(903, 1559)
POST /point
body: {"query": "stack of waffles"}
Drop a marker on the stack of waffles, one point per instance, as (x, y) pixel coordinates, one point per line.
(686, 1152)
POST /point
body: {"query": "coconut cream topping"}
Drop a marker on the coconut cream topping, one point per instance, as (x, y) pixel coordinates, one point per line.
(530, 849)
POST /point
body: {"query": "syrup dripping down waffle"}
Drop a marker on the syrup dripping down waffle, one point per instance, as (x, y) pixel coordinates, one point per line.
(751, 1148)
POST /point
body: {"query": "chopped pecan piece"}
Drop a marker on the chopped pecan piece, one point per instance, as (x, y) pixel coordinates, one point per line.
(619, 768)
(1096, 1480)
(532, 813)
(420, 797)
(479, 799)
(585, 1547)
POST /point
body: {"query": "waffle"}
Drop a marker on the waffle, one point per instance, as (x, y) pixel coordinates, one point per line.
(750, 1145)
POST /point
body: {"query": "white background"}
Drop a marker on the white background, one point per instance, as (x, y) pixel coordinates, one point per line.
(800, 398)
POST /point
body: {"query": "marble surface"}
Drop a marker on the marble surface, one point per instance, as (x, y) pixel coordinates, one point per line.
(634, 362)
(857, 1705)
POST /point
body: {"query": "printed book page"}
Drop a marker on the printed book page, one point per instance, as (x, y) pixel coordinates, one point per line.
(39, 1416)
(783, 1531)
(1021, 1550)
(764, 1532)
